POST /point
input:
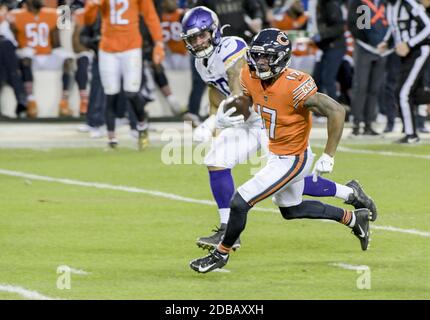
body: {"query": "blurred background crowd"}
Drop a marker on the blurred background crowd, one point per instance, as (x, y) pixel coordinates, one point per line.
(327, 43)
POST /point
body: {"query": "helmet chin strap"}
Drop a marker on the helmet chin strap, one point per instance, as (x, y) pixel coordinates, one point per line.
(264, 75)
(205, 53)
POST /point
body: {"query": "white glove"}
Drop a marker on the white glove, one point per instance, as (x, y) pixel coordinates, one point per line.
(323, 165)
(225, 120)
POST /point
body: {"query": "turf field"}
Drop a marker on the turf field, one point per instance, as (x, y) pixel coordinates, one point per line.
(133, 243)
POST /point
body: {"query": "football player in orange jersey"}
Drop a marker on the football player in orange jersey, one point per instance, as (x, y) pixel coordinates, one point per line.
(84, 55)
(35, 28)
(177, 57)
(293, 17)
(285, 99)
(120, 55)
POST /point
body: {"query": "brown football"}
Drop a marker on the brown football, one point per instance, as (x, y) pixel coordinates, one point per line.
(242, 104)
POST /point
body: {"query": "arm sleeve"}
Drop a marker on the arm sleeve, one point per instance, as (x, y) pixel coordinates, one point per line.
(90, 13)
(237, 49)
(333, 27)
(419, 13)
(303, 91)
(243, 82)
(152, 20)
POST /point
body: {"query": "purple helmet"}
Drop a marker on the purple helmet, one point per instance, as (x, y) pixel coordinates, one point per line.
(194, 26)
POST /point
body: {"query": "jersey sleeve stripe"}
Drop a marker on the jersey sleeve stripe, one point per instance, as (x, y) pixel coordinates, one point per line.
(304, 96)
(299, 87)
(239, 48)
(234, 57)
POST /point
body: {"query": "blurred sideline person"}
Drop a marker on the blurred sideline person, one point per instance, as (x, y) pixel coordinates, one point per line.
(177, 57)
(409, 31)
(9, 63)
(370, 64)
(329, 37)
(157, 71)
(285, 99)
(35, 28)
(291, 17)
(89, 37)
(120, 56)
(219, 61)
(84, 55)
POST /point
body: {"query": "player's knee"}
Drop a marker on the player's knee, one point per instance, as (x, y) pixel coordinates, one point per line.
(131, 95)
(68, 66)
(290, 213)
(238, 204)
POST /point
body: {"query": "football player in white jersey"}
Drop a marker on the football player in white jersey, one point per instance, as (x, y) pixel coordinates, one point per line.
(219, 61)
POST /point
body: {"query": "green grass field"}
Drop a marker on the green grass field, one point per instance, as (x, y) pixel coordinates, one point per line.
(137, 246)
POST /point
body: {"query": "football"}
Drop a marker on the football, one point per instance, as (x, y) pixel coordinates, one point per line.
(242, 104)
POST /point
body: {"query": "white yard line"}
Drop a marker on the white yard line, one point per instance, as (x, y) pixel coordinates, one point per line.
(375, 152)
(170, 196)
(29, 294)
(349, 266)
(221, 270)
(395, 229)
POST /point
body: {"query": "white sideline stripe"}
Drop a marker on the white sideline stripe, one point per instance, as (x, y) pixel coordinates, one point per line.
(381, 153)
(221, 270)
(394, 229)
(170, 196)
(105, 186)
(349, 266)
(29, 294)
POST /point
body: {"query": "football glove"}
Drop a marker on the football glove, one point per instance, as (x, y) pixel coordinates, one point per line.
(225, 119)
(323, 165)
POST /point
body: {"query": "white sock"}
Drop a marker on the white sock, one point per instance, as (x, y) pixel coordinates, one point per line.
(224, 215)
(343, 192)
(352, 223)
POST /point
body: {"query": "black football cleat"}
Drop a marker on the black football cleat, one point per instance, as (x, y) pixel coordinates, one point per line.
(359, 199)
(409, 139)
(113, 144)
(214, 260)
(361, 227)
(211, 242)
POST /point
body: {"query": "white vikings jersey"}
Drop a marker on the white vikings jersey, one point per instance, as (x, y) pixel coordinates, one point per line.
(226, 54)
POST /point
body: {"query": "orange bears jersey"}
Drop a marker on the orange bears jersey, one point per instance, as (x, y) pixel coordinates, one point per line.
(78, 16)
(120, 23)
(172, 28)
(289, 23)
(303, 47)
(35, 30)
(287, 121)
